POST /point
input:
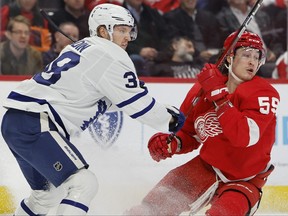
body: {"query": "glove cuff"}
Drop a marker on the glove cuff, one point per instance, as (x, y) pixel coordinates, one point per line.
(220, 109)
(178, 119)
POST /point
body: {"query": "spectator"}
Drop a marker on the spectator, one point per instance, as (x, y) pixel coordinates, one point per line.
(73, 11)
(181, 62)
(231, 17)
(199, 25)
(281, 26)
(153, 35)
(40, 37)
(3, 2)
(276, 10)
(61, 41)
(272, 9)
(163, 6)
(213, 6)
(17, 56)
(50, 6)
(90, 4)
(281, 69)
(278, 3)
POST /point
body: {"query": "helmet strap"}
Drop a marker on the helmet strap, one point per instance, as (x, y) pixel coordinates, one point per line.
(111, 36)
(110, 32)
(229, 67)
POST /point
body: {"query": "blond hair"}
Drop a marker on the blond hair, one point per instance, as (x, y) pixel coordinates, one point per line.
(18, 19)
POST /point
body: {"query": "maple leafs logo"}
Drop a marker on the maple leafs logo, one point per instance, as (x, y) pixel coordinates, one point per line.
(102, 107)
(106, 129)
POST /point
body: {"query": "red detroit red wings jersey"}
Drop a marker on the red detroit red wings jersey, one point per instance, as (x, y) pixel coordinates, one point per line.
(239, 142)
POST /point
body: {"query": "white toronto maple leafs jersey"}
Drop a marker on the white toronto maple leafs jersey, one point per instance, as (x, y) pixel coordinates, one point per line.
(83, 82)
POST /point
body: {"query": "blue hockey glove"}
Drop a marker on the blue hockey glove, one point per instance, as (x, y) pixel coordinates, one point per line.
(178, 119)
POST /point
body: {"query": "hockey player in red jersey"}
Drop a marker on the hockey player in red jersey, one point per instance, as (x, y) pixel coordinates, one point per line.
(233, 121)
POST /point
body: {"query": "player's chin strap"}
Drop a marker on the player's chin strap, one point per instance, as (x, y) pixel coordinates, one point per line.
(110, 31)
(111, 36)
(229, 67)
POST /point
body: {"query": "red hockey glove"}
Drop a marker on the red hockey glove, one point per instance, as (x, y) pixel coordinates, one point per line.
(212, 82)
(160, 148)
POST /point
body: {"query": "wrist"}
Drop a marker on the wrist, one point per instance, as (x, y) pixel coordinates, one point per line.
(179, 144)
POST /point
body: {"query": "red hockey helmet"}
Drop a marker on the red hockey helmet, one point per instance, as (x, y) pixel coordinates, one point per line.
(247, 39)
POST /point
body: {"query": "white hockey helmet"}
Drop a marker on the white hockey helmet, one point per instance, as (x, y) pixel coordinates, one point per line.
(110, 15)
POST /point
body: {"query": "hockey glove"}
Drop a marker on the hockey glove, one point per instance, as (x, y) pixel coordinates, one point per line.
(213, 83)
(178, 119)
(160, 148)
(142, 84)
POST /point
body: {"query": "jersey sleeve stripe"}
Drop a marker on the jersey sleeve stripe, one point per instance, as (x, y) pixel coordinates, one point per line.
(19, 97)
(133, 99)
(142, 112)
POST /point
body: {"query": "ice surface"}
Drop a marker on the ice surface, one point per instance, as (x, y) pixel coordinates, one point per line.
(125, 171)
(125, 175)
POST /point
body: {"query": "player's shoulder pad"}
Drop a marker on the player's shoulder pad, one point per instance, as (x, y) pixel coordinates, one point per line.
(105, 47)
(108, 47)
(257, 86)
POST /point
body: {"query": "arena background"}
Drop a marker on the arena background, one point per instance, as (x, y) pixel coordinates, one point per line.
(116, 149)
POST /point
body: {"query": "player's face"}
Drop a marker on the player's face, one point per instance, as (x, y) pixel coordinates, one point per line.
(121, 35)
(245, 63)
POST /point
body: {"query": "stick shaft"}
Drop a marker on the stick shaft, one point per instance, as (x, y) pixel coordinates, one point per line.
(240, 31)
(231, 46)
(45, 15)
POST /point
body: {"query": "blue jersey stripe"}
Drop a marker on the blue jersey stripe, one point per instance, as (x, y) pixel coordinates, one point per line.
(142, 112)
(24, 98)
(133, 99)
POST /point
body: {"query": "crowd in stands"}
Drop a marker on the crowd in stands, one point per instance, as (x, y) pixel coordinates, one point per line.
(175, 37)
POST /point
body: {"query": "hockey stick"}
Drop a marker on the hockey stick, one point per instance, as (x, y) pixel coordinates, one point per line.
(231, 46)
(240, 31)
(221, 59)
(45, 15)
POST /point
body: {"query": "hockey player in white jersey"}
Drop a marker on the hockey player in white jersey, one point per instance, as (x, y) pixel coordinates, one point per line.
(86, 79)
